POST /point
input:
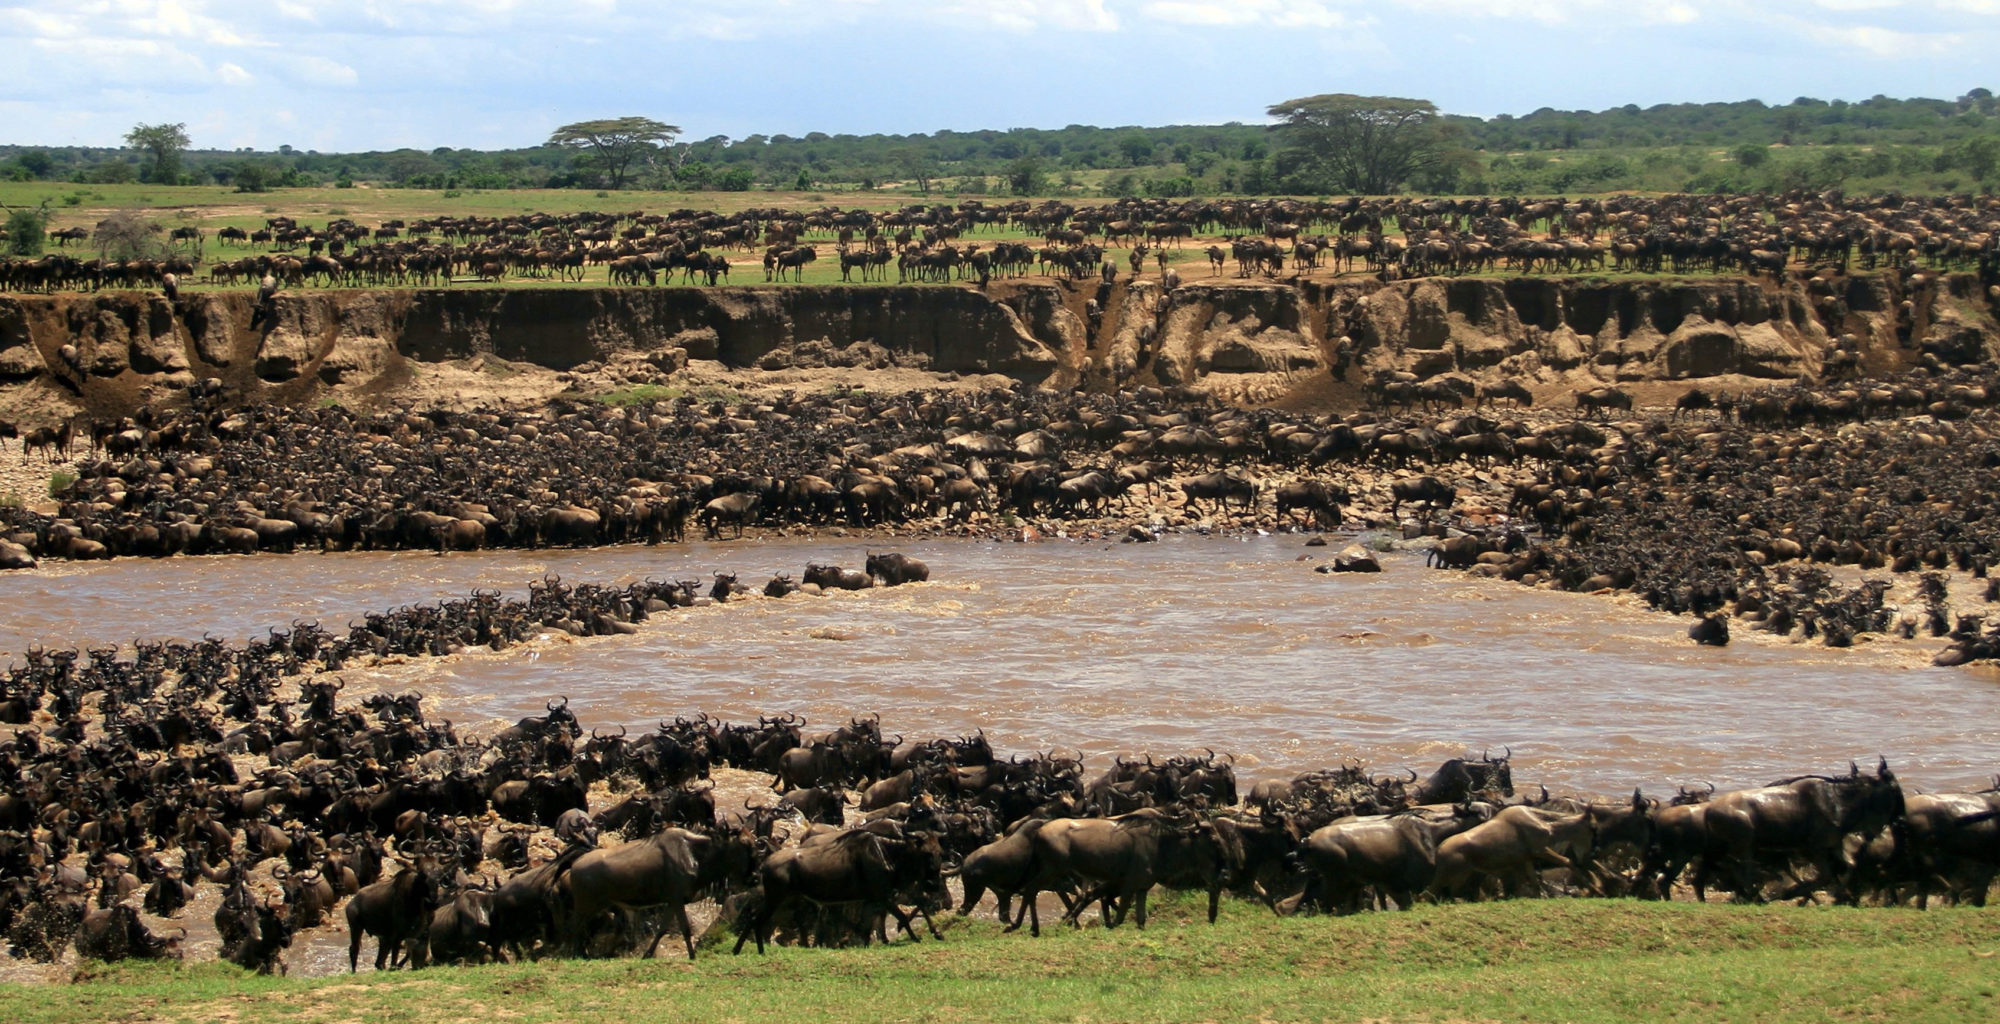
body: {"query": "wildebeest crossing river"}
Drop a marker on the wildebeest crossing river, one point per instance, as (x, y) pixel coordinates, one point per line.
(1222, 642)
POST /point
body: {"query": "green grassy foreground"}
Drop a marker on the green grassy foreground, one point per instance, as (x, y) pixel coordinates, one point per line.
(1541, 960)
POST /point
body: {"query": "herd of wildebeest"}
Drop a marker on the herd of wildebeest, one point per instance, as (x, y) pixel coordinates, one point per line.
(1751, 509)
(1394, 238)
(134, 775)
(147, 774)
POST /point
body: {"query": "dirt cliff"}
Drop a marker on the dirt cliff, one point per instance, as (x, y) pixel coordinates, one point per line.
(1247, 340)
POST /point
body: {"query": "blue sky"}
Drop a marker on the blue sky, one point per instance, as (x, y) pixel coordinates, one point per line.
(375, 74)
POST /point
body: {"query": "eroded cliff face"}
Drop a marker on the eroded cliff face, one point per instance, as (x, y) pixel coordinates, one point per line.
(1251, 341)
(1247, 340)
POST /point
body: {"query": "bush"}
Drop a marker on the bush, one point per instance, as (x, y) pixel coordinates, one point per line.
(113, 172)
(255, 176)
(26, 231)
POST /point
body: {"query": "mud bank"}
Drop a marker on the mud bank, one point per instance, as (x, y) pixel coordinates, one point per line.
(1245, 340)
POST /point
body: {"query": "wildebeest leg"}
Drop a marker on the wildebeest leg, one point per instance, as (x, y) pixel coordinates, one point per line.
(354, 948)
(760, 920)
(1214, 899)
(1102, 894)
(903, 922)
(924, 912)
(687, 929)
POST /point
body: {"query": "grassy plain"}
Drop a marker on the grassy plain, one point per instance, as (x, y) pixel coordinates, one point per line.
(213, 207)
(1527, 960)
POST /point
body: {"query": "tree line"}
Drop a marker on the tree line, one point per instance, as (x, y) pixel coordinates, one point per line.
(1919, 144)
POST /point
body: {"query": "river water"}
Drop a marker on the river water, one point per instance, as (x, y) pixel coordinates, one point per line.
(1230, 643)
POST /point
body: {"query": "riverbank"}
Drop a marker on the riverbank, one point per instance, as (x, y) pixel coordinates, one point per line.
(1294, 343)
(1528, 960)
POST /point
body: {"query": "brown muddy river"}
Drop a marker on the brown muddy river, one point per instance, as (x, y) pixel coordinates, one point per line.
(1229, 643)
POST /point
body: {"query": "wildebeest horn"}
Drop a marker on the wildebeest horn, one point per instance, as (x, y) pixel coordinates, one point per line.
(1413, 773)
(1853, 769)
(1509, 755)
(621, 731)
(565, 703)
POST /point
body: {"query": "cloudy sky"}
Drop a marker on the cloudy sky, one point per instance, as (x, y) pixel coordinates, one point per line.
(383, 74)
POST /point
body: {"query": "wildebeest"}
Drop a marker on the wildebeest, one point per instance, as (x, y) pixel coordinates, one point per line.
(1396, 854)
(735, 509)
(1126, 855)
(523, 911)
(1950, 842)
(825, 805)
(895, 569)
(1711, 630)
(1318, 498)
(1462, 778)
(460, 931)
(1426, 489)
(394, 910)
(535, 727)
(116, 933)
(1596, 400)
(859, 866)
(833, 577)
(1005, 866)
(1511, 390)
(1220, 489)
(1804, 818)
(662, 870)
(1511, 848)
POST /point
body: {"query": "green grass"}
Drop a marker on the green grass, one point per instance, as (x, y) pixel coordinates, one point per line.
(1518, 961)
(59, 480)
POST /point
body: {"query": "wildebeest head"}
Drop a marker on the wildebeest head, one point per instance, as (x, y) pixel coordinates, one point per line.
(1621, 822)
(561, 717)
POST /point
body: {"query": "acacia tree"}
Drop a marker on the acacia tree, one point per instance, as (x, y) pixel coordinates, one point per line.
(614, 143)
(1370, 145)
(164, 143)
(918, 165)
(128, 235)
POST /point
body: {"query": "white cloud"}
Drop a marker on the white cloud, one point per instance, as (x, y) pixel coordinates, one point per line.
(322, 71)
(494, 72)
(1029, 15)
(1275, 13)
(1203, 14)
(1885, 43)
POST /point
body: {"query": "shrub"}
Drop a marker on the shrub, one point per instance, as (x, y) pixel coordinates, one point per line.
(26, 230)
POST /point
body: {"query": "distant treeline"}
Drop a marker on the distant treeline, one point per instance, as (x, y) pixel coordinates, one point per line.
(1875, 144)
